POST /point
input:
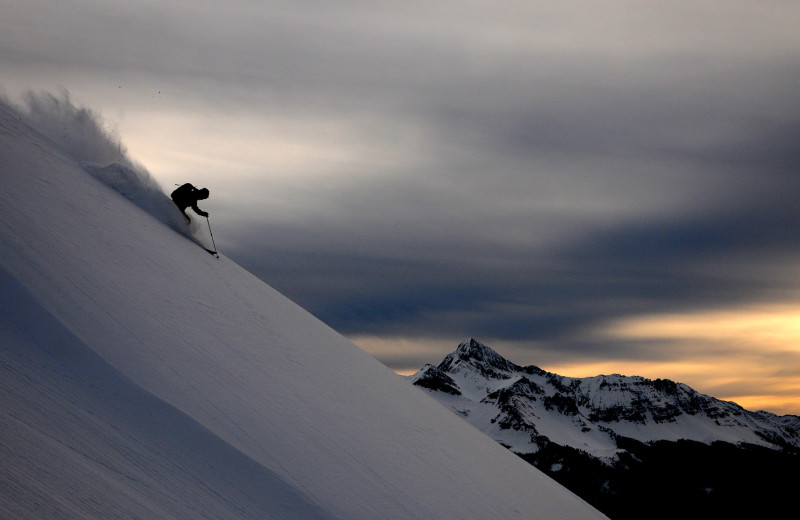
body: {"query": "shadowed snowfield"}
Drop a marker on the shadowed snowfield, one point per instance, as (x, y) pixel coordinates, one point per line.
(144, 378)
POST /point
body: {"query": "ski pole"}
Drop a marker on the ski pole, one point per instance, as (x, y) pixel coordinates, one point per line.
(212, 235)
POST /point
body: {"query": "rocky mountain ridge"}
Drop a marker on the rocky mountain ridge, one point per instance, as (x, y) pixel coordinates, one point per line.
(524, 408)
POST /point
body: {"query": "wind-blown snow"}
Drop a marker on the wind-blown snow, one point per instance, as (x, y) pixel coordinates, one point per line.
(142, 377)
(81, 134)
(78, 131)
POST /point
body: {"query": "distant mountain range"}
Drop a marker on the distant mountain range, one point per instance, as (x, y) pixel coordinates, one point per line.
(596, 434)
(522, 406)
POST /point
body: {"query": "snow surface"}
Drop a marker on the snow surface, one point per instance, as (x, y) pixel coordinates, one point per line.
(144, 378)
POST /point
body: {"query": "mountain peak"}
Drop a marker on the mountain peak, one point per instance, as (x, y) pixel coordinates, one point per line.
(606, 428)
(478, 356)
(600, 408)
(472, 345)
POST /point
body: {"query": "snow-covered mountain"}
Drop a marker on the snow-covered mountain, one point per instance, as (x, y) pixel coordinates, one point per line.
(141, 377)
(522, 407)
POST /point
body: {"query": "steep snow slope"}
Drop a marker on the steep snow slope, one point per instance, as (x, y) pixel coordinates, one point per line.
(207, 351)
(79, 440)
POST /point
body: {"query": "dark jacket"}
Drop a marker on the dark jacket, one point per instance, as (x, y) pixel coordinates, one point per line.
(187, 196)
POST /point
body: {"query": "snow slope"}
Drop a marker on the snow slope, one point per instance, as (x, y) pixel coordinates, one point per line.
(67, 450)
(144, 378)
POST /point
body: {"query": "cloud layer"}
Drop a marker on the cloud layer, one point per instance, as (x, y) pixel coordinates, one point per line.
(524, 172)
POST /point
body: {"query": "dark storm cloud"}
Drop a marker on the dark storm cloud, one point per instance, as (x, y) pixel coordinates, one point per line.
(518, 171)
(427, 280)
(663, 203)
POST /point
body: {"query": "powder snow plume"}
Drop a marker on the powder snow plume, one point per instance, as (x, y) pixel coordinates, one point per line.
(82, 134)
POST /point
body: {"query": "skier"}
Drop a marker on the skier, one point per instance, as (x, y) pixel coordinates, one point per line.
(186, 197)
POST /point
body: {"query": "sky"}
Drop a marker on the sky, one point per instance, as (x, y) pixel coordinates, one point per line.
(589, 187)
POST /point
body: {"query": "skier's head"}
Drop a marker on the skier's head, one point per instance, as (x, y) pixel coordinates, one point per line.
(202, 194)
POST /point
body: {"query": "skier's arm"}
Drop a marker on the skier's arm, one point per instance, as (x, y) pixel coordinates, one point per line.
(199, 211)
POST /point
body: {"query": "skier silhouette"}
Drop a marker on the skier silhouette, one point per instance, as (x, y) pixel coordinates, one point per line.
(186, 197)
